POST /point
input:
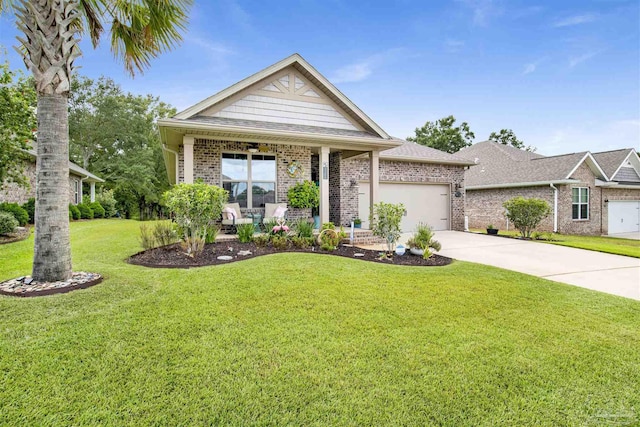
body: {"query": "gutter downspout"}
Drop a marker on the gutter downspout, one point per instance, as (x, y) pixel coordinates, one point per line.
(555, 207)
(175, 153)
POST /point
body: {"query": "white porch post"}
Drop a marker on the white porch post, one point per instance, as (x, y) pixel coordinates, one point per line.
(188, 142)
(92, 185)
(324, 185)
(374, 175)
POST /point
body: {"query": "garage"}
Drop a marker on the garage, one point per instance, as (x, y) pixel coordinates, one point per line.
(624, 216)
(426, 203)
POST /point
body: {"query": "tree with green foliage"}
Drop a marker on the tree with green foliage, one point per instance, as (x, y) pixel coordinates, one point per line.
(17, 124)
(385, 222)
(526, 214)
(508, 137)
(443, 135)
(114, 135)
(195, 208)
(51, 33)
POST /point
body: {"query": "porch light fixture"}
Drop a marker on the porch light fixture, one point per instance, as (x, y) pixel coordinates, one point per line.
(325, 170)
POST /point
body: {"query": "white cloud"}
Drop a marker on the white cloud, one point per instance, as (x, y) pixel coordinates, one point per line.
(360, 70)
(575, 60)
(482, 10)
(575, 20)
(529, 68)
(211, 47)
(453, 45)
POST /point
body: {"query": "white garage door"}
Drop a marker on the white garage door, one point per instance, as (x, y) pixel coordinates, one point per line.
(624, 217)
(426, 203)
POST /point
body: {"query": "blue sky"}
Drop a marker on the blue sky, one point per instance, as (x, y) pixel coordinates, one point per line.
(565, 76)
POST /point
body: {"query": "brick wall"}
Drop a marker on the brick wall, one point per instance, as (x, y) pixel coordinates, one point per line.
(12, 193)
(566, 223)
(484, 207)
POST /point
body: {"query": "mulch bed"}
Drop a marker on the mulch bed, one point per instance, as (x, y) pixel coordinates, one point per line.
(21, 233)
(173, 256)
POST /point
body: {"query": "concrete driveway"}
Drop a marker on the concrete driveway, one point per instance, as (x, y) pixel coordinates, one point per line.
(613, 274)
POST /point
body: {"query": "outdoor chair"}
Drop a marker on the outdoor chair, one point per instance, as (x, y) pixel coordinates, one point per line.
(273, 211)
(231, 215)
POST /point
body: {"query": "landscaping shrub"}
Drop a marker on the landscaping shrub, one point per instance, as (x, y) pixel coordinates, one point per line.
(269, 224)
(8, 223)
(195, 208)
(423, 239)
(304, 195)
(245, 232)
(147, 240)
(303, 228)
(30, 207)
(261, 240)
(385, 222)
(279, 242)
(98, 210)
(302, 242)
(74, 212)
(526, 214)
(85, 211)
(108, 202)
(164, 233)
(212, 234)
(18, 213)
(329, 238)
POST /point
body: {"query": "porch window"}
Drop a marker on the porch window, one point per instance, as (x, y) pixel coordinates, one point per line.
(580, 202)
(241, 172)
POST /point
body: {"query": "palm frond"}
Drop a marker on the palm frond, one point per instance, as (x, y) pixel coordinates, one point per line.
(92, 12)
(141, 30)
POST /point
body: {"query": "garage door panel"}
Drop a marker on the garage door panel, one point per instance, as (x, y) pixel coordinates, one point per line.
(426, 203)
(623, 216)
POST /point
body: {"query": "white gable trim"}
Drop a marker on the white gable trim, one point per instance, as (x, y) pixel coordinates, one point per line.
(255, 78)
(635, 163)
(586, 157)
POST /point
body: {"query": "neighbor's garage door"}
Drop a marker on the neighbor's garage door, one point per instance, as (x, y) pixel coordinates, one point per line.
(624, 217)
(426, 203)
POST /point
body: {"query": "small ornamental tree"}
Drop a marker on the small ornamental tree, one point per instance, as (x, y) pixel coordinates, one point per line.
(526, 214)
(385, 222)
(195, 208)
(108, 202)
(304, 195)
(8, 223)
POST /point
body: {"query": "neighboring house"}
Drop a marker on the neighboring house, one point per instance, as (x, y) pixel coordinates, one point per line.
(589, 193)
(13, 193)
(288, 123)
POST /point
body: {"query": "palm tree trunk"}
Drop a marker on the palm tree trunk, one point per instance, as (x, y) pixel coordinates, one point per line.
(52, 254)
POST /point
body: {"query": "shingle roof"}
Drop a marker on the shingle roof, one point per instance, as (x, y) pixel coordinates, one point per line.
(223, 121)
(410, 151)
(610, 161)
(75, 169)
(499, 164)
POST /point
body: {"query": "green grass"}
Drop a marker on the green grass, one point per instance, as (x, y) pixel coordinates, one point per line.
(314, 340)
(610, 245)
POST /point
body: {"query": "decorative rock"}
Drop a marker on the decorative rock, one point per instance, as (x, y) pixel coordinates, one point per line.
(225, 258)
(358, 254)
(244, 253)
(230, 249)
(24, 285)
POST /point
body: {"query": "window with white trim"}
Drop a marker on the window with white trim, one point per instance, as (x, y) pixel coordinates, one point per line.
(76, 193)
(257, 172)
(580, 206)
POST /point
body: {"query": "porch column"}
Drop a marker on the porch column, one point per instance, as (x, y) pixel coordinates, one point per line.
(374, 176)
(324, 185)
(187, 142)
(92, 185)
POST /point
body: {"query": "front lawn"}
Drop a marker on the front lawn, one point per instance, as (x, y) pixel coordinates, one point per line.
(306, 339)
(610, 245)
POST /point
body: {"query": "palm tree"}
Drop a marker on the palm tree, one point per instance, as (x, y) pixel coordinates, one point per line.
(51, 30)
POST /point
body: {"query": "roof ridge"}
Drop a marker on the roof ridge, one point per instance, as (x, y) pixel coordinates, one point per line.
(562, 155)
(612, 151)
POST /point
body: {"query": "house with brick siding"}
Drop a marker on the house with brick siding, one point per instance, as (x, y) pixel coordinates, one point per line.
(288, 123)
(589, 193)
(13, 193)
